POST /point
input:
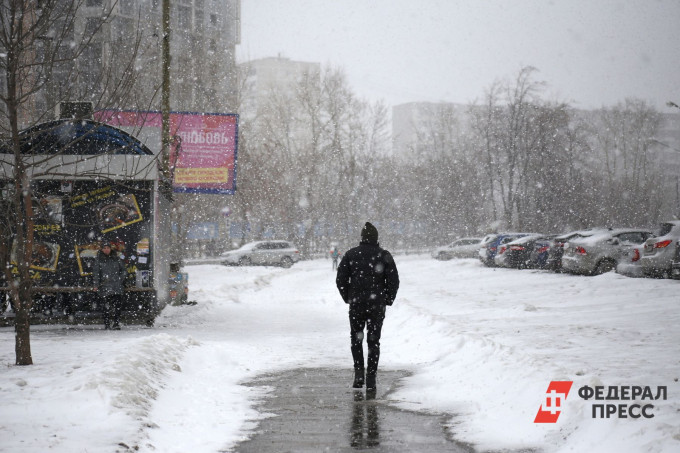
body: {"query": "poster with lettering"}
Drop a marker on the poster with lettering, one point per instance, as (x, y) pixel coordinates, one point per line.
(203, 149)
(204, 152)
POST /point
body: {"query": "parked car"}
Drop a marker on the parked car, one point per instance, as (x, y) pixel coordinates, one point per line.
(675, 265)
(629, 264)
(489, 246)
(538, 258)
(601, 252)
(659, 251)
(554, 260)
(460, 248)
(499, 258)
(483, 252)
(273, 253)
(518, 252)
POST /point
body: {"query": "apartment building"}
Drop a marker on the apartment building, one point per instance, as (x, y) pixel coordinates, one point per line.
(204, 35)
(263, 77)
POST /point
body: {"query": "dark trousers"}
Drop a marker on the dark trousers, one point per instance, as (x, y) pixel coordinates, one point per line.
(370, 317)
(113, 305)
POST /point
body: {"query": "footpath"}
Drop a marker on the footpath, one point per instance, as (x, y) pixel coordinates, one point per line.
(316, 410)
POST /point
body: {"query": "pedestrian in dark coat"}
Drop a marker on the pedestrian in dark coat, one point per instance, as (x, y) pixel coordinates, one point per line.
(108, 279)
(368, 281)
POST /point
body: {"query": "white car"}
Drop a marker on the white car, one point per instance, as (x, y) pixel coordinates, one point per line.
(272, 253)
(460, 248)
(658, 253)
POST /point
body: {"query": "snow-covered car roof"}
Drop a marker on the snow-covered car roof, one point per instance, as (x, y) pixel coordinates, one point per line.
(525, 239)
(606, 234)
(587, 232)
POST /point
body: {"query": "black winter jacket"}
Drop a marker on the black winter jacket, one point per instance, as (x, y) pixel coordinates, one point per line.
(368, 275)
(109, 274)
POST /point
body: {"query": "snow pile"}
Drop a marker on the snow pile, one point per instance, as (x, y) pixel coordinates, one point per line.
(90, 389)
(132, 380)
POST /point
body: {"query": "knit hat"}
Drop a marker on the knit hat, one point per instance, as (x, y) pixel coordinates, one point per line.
(369, 234)
(106, 244)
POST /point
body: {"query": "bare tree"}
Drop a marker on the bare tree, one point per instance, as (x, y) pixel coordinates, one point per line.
(40, 47)
(624, 138)
(308, 160)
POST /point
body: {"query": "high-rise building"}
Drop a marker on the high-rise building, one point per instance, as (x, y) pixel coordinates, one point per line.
(263, 77)
(203, 38)
(415, 118)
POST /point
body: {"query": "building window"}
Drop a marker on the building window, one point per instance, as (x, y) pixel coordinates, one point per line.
(121, 29)
(126, 6)
(184, 18)
(92, 26)
(91, 66)
(198, 20)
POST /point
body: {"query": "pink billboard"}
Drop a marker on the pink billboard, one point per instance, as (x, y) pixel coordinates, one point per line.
(203, 146)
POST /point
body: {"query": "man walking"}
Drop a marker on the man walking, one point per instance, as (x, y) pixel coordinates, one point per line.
(108, 279)
(368, 281)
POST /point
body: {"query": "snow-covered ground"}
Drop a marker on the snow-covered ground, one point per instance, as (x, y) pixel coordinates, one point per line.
(483, 344)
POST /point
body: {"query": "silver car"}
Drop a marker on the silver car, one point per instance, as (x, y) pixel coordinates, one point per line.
(629, 264)
(460, 248)
(601, 252)
(273, 253)
(658, 253)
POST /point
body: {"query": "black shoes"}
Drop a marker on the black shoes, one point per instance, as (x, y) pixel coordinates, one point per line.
(370, 382)
(358, 379)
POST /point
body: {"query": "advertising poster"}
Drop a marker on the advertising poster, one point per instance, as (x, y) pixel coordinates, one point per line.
(72, 220)
(203, 146)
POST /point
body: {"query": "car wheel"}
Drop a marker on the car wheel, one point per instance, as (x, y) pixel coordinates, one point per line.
(604, 267)
(244, 261)
(286, 262)
(442, 256)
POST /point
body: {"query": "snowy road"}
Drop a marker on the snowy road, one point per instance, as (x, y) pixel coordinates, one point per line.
(482, 344)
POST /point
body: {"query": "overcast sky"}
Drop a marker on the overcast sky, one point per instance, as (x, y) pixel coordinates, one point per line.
(590, 52)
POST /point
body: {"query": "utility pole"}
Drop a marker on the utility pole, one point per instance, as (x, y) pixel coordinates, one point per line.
(677, 178)
(165, 91)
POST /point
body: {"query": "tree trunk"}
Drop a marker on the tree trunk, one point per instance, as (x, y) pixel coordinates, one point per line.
(22, 325)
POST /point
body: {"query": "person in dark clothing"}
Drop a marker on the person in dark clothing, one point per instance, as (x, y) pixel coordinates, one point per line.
(108, 279)
(368, 281)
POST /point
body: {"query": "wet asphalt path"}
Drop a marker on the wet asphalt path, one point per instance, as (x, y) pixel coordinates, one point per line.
(316, 410)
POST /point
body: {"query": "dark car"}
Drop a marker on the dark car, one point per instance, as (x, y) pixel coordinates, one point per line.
(490, 244)
(518, 252)
(538, 259)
